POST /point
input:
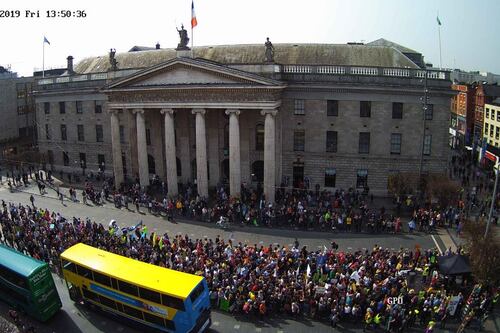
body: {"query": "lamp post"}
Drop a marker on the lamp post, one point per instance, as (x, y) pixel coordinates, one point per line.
(493, 197)
(424, 108)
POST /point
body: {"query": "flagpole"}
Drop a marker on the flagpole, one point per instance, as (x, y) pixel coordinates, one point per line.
(192, 39)
(43, 58)
(440, 59)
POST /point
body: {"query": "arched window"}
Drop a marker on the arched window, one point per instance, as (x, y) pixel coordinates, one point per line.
(258, 171)
(259, 137)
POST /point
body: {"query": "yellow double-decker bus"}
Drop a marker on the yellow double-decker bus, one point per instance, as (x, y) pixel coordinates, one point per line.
(158, 297)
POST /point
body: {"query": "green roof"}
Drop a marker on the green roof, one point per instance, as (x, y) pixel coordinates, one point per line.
(18, 262)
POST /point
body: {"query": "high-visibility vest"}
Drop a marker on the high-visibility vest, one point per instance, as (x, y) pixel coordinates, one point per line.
(377, 319)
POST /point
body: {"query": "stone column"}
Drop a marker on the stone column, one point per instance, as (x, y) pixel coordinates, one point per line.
(269, 154)
(116, 147)
(234, 153)
(142, 148)
(170, 152)
(201, 153)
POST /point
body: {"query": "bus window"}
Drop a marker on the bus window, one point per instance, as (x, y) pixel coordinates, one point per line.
(102, 279)
(150, 295)
(197, 292)
(13, 294)
(13, 277)
(90, 295)
(172, 302)
(132, 312)
(68, 265)
(108, 302)
(128, 288)
(154, 319)
(85, 272)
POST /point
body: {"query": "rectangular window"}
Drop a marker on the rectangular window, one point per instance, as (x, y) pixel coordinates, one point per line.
(102, 279)
(107, 302)
(397, 110)
(332, 108)
(197, 292)
(13, 277)
(64, 136)
(65, 158)
(299, 140)
(497, 132)
(47, 132)
(101, 161)
(487, 114)
(498, 115)
(492, 128)
(81, 133)
(62, 107)
(154, 319)
(98, 107)
(150, 295)
(68, 265)
(83, 160)
(84, 272)
(492, 114)
(132, 312)
(91, 295)
(486, 129)
(330, 177)
(365, 109)
(299, 107)
(50, 153)
(46, 107)
(122, 134)
(396, 143)
(429, 112)
(128, 288)
(98, 133)
(362, 178)
(331, 141)
(427, 144)
(172, 302)
(148, 137)
(79, 107)
(364, 142)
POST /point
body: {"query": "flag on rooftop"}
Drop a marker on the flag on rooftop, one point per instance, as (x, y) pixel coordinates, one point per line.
(45, 40)
(438, 20)
(194, 22)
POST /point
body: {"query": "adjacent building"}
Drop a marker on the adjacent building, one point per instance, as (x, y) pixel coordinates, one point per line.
(298, 115)
(17, 114)
(485, 93)
(462, 115)
(491, 125)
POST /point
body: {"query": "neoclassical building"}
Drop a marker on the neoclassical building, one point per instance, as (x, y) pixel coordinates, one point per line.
(314, 115)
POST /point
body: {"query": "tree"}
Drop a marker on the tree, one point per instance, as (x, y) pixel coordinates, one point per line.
(402, 183)
(439, 188)
(484, 253)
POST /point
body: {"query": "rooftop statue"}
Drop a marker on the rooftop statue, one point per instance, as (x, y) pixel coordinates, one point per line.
(184, 39)
(269, 51)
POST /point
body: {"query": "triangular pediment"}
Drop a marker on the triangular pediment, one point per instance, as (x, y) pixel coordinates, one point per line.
(191, 72)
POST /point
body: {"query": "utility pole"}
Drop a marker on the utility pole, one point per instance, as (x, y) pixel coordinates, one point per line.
(424, 108)
(493, 197)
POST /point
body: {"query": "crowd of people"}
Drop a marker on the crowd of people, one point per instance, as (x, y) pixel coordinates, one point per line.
(381, 288)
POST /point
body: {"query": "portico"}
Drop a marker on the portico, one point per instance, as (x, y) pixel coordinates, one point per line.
(177, 90)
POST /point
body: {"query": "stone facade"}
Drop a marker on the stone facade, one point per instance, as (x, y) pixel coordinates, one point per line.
(250, 118)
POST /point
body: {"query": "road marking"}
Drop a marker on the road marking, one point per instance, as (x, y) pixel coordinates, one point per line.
(261, 242)
(215, 323)
(73, 311)
(236, 327)
(258, 329)
(437, 245)
(192, 235)
(349, 248)
(280, 331)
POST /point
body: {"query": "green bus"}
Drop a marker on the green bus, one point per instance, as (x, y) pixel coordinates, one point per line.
(27, 284)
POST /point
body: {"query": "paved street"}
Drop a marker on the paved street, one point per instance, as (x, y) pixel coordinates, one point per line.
(75, 318)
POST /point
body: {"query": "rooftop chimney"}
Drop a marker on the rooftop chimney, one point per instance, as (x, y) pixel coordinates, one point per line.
(70, 65)
(158, 45)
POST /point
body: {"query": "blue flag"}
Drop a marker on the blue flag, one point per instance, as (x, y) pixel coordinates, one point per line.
(45, 40)
(438, 20)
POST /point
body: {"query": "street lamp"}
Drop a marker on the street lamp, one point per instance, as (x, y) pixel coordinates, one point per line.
(493, 197)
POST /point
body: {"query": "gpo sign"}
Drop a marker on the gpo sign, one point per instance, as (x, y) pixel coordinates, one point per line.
(395, 300)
